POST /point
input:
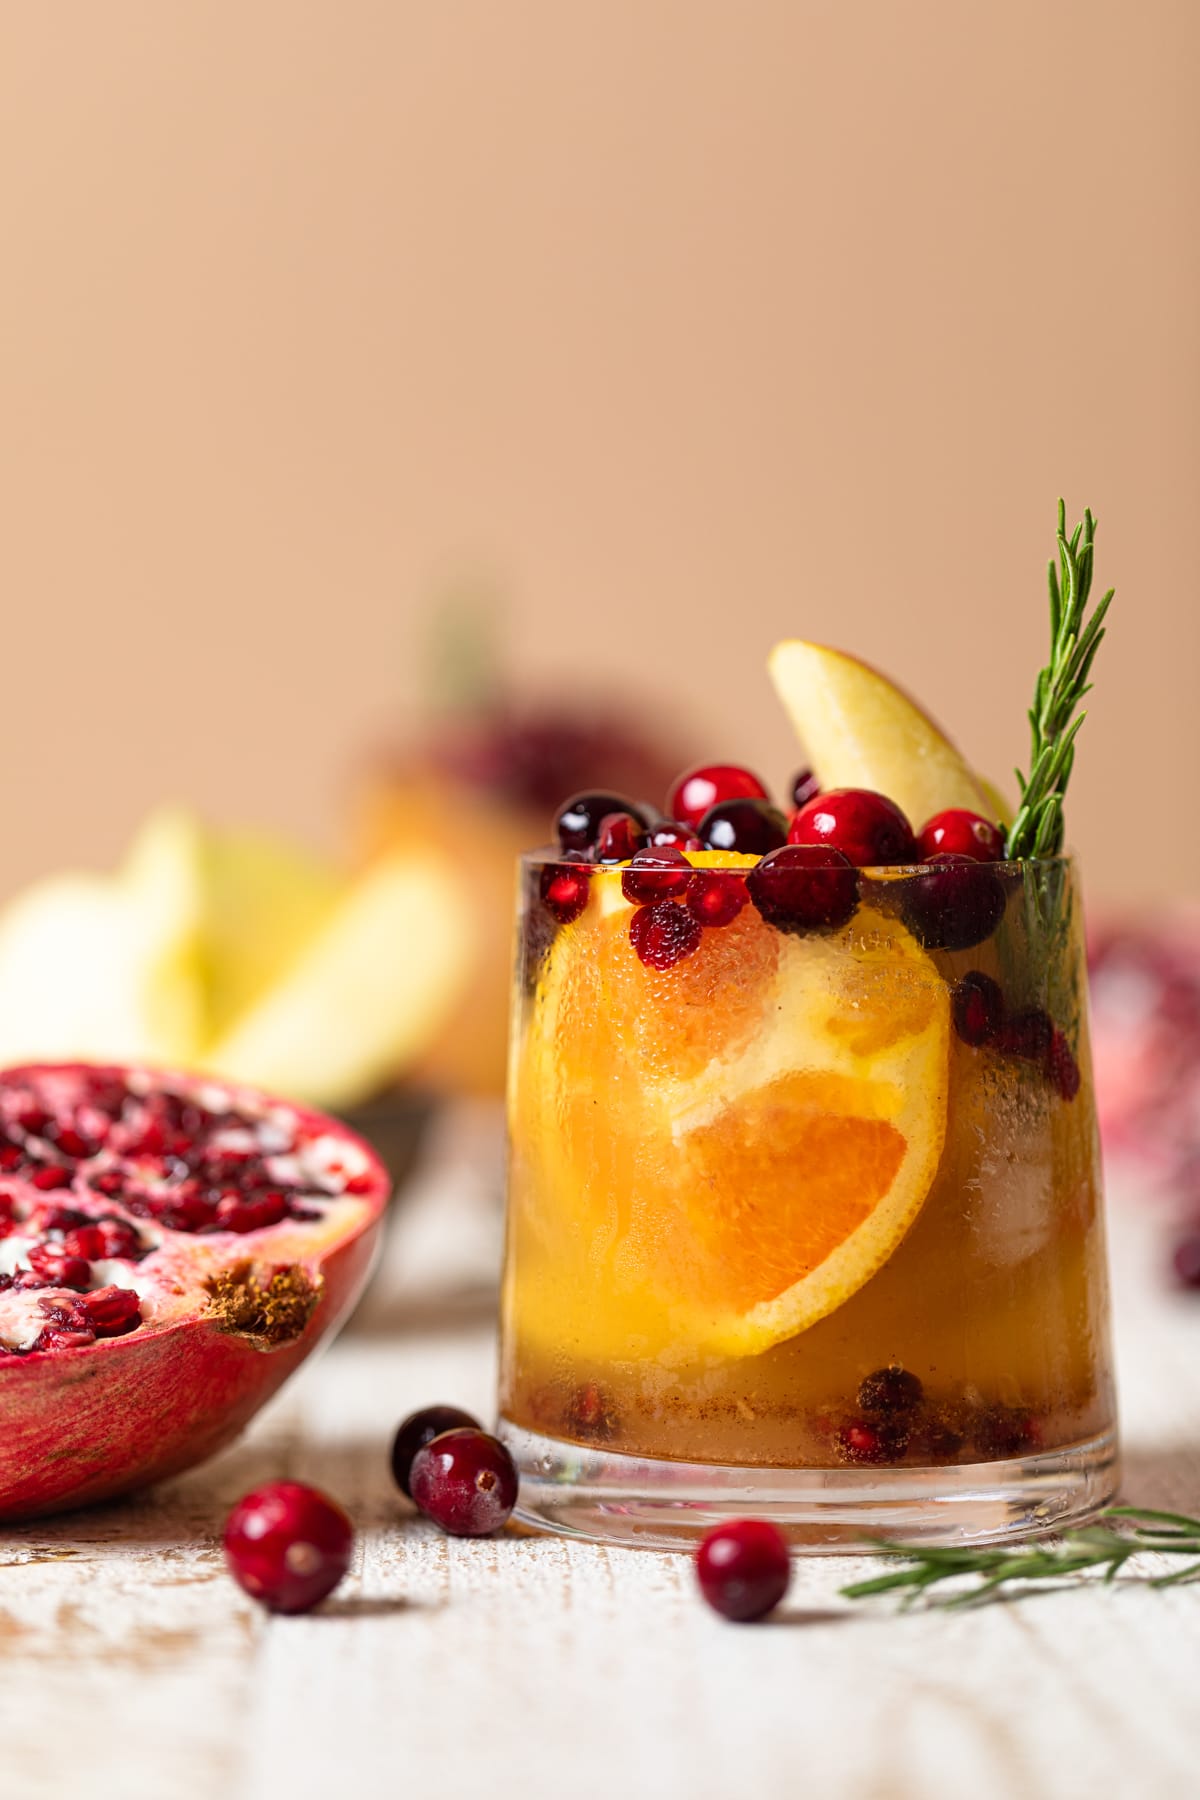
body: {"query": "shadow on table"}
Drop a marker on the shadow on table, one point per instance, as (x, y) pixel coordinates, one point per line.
(1167, 1480)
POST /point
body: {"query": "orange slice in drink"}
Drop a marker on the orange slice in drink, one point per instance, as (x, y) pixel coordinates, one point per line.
(733, 1146)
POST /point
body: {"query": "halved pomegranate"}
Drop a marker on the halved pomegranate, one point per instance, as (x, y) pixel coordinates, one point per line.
(171, 1249)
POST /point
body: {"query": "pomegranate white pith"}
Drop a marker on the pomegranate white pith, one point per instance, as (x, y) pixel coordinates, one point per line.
(171, 1248)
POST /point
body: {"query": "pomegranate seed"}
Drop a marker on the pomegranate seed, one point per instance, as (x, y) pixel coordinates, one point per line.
(420, 1428)
(57, 1218)
(10, 1158)
(620, 837)
(746, 827)
(579, 821)
(671, 834)
(175, 1213)
(743, 1569)
(977, 1007)
(63, 1337)
(696, 792)
(51, 1176)
(564, 890)
(357, 1184)
(890, 1391)
(867, 828)
(70, 1143)
(656, 875)
(109, 1182)
(56, 1267)
(120, 1240)
(804, 887)
(1185, 1260)
(957, 832)
(805, 787)
(288, 1545)
(716, 898)
(954, 906)
(112, 1311)
(465, 1481)
(33, 1121)
(664, 934)
(1028, 1034)
(871, 1442)
(238, 1213)
(86, 1241)
(1061, 1066)
(591, 1414)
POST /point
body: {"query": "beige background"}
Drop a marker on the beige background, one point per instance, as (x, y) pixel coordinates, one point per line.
(686, 325)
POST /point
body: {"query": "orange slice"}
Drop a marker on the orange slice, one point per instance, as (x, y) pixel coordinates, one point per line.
(735, 1145)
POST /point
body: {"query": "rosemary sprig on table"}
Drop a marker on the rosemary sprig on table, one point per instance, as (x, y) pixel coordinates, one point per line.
(1037, 829)
(1096, 1546)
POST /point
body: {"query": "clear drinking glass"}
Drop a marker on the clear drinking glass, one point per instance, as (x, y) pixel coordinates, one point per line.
(806, 1224)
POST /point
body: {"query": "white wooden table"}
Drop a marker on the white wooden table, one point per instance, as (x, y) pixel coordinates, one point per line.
(133, 1668)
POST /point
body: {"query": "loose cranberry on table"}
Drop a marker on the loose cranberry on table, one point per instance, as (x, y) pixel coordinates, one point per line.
(868, 828)
(288, 1545)
(420, 1428)
(465, 1481)
(706, 786)
(804, 887)
(746, 827)
(743, 1569)
(957, 832)
(579, 819)
(955, 905)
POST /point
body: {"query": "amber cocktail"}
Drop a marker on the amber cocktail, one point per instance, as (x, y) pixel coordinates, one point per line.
(804, 1207)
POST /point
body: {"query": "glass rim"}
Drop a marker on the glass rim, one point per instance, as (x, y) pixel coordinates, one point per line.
(546, 856)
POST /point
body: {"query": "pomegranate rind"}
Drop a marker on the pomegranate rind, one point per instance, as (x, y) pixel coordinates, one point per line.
(88, 1424)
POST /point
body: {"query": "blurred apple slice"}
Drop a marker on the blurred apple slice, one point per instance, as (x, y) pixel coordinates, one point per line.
(366, 992)
(859, 730)
(108, 967)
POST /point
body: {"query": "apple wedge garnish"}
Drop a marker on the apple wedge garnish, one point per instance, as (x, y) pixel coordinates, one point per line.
(861, 731)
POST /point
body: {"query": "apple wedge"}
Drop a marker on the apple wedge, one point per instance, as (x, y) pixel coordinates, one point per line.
(859, 730)
(366, 993)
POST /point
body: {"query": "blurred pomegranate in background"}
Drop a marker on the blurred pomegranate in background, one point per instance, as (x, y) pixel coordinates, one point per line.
(1145, 1007)
(480, 787)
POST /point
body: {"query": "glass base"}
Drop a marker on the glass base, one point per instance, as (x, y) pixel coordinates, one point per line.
(606, 1498)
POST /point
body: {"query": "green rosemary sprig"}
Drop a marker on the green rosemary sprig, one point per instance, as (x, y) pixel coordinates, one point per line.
(989, 1571)
(1037, 829)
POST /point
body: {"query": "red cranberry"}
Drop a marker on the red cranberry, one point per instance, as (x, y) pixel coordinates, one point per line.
(564, 890)
(957, 832)
(804, 887)
(955, 905)
(715, 897)
(288, 1545)
(420, 1428)
(866, 827)
(620, 837)
(977, 1007)
(748, 827)
(700, 789)
(664, 934)
(465, 1481)
(656, 875)
(872, 1441)
(1185, 1260)
(894, 1390)
(1027, 1034)
(1061, 1066)
(805, 787)
(667, 834)
(743, 1569)
(578, 822)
